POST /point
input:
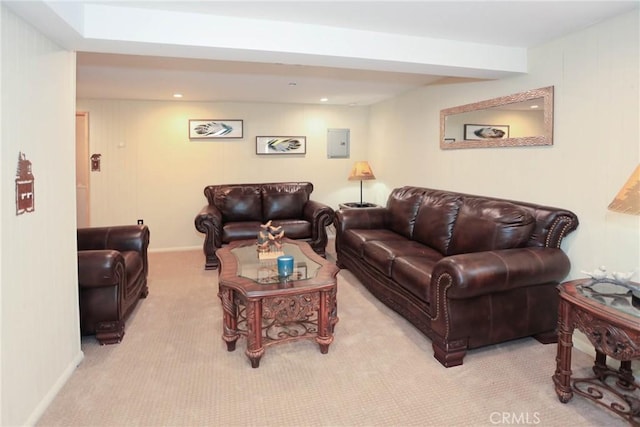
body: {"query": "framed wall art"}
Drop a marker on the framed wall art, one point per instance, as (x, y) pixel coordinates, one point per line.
(490, 132)
(281, 144)
(214, 129)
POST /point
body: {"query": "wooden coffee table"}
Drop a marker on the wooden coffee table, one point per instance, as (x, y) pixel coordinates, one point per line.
(268, 310)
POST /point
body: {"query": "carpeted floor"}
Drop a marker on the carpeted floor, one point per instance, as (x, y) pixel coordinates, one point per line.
(172, 369)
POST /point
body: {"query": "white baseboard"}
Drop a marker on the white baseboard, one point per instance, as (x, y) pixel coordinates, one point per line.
(176, 249)
(55, 389)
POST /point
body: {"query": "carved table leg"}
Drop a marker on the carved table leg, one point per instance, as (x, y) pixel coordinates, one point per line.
(325, 327)
(230, 318)
(600, 364)
(255, 350)
(626, 378)
(562, 376)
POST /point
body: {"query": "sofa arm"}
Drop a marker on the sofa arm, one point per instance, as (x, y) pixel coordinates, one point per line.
(370, 218)
(209, 222)
(319, 215)
(482, 273)
(100, 268)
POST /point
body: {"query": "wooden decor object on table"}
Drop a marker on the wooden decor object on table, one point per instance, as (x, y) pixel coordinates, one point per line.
(270, 241)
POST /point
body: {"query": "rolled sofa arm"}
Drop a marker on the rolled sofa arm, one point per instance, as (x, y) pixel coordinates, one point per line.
(320, 216)
(481, 273)
(100, 268)
(209, 222)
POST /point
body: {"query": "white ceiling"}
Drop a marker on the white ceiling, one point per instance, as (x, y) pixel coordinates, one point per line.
(352, 52)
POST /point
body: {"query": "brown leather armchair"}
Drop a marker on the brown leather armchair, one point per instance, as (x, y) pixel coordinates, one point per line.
(112, 277)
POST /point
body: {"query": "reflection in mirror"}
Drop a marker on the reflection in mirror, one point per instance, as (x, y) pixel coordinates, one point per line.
(516, 120)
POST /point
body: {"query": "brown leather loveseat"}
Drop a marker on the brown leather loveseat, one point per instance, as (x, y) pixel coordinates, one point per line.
(468, 271)
(236, 211)
(112, 277)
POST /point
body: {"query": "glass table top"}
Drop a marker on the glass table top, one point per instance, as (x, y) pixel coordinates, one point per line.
(624, 298)
(266, 271)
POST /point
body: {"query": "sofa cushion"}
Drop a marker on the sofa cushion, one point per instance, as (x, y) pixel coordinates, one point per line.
(435, 219)
(283, 204)
(381, 254)
(354, 239)
(486, 225)
(403, 206)
(413, 273)
(239, 203)
(242, 230)
(294, 228)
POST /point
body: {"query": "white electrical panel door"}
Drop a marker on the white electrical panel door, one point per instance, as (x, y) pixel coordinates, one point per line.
(338, 143)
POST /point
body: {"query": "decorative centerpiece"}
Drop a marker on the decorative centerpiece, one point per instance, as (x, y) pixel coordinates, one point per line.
(600, 275)
(270, 241)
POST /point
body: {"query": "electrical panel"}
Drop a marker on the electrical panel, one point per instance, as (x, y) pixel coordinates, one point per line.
(338, 143)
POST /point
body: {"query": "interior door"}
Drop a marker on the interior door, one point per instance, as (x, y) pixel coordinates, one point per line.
(82, 169)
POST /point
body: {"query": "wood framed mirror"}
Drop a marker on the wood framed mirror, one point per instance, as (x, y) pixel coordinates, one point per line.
(517, 120)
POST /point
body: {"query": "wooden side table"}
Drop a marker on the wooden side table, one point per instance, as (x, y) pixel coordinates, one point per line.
(605, 313)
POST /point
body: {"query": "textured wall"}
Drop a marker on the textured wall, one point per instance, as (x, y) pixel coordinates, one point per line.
(39, 316)
(151, 170)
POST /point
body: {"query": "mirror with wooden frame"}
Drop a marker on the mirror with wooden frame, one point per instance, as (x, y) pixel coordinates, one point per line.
(521, 119)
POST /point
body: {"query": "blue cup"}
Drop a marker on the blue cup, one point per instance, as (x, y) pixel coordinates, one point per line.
(285, 266)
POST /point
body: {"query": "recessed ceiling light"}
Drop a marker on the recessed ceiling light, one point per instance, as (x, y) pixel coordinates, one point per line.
(177, 95)
(534, 106)
(324, 99)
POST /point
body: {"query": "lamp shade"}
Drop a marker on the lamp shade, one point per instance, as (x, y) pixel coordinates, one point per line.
(361, 171)
(628, 198)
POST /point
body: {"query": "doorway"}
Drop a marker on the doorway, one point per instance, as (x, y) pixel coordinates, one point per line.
(82, 170)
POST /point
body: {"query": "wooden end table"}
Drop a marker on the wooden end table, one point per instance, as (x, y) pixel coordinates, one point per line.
(269, 310)
(604, 311)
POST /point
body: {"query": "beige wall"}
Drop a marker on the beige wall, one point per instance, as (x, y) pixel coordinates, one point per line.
(151, 170)
(596, 144)
(39, 313)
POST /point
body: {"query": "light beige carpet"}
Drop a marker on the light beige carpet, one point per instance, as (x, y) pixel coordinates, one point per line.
(172, 369)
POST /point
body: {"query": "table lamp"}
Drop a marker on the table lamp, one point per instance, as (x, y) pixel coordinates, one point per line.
(628, 198)
(361, 171)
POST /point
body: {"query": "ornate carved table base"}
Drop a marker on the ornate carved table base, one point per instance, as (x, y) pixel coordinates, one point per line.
(273, 320)
(268, 309)
(612, 334)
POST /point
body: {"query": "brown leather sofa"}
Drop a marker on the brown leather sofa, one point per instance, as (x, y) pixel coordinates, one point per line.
(468, 271)
(236, 211)
(112, 277)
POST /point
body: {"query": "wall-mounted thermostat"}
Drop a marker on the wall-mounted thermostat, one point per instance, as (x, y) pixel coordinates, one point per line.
(338, 143)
